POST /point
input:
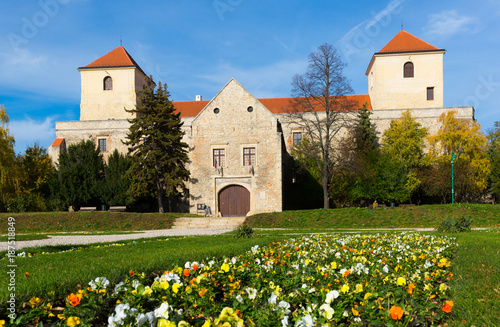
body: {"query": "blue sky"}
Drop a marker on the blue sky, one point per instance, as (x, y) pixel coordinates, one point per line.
(196, 46)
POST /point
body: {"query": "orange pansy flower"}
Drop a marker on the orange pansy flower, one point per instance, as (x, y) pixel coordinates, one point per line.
(73, 299)
(447, 306)
(186, 272)
(396, 312)
(410, 288)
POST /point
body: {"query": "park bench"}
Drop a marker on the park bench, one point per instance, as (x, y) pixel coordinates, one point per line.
(378, 206)
(87, 208)
(117, 208)
(406, 205)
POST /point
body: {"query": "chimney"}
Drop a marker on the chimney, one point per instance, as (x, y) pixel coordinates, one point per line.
(198, 97)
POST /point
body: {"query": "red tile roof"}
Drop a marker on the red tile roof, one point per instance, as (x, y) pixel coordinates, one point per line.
(58, 142)
(190, 108)
(275, 105)
(118, 57)
(406, 42)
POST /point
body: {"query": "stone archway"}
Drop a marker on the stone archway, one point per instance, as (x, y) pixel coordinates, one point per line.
(234, 201)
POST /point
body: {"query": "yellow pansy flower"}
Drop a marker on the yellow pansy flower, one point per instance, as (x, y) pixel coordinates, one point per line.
(73, 321)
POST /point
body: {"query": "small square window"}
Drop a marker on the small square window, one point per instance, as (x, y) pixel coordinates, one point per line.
(102, 145)
(297, 138)
(249, 157)
(430, 93)
(219, 158)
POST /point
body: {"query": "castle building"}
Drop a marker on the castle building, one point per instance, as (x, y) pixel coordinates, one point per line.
(238, 144)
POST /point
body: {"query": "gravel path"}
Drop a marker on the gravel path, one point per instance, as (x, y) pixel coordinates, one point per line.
(88, 239)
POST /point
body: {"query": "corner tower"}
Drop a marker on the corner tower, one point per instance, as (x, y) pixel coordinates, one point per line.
(407, 73)
(110, 84)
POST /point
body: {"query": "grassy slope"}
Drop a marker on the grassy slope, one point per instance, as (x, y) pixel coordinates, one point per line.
(87, 221)
(484, 215)
(419, 216)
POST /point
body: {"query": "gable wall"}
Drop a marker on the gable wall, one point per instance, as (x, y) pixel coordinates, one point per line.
(233, 129)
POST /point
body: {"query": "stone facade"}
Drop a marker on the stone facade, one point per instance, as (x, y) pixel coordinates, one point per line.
(389, 89)
(233, 121)
(239, 146)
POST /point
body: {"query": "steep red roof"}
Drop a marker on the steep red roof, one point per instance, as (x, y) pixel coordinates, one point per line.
(58, 141)
(190, 108)
(275, 105)
(118, 57)
(406, 42)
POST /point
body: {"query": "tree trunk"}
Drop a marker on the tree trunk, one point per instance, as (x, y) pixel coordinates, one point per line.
(160, 197)
(326, 198)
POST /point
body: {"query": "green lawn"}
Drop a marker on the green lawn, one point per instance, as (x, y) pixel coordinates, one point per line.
(476, 264)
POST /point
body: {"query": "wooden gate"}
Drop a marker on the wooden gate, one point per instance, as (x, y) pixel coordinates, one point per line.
(234, 201)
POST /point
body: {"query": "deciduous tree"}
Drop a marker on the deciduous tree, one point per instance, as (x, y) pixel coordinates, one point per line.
(465, 139)
(321, 110)
(494, 151)
(8, 179)
(159, 156)
(405, 140)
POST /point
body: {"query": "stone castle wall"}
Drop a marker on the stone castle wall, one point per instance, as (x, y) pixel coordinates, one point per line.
(233, 128)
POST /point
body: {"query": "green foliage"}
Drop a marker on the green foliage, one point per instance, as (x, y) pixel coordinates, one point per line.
(404, 140)
(159, 156)
(80, 172)
(465, 139)
(26, 203)
(455, 225)
(365, 138)
(8, 171)
(36, 168)
(115, 186)
(244, 231)
(494, 151)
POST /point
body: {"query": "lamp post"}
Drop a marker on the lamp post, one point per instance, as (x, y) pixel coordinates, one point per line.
(453, 156)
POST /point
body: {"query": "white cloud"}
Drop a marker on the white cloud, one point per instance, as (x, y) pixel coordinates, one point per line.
(449, 22)
(28, 131)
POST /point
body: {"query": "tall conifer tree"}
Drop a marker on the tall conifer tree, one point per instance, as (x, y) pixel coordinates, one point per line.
(159, 156)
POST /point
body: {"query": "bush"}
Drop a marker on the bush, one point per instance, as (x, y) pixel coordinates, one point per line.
(27, 203)
(455, 225)
(244, 231)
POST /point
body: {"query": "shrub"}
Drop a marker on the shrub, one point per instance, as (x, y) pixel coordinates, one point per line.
(455, 225)
(244, 231)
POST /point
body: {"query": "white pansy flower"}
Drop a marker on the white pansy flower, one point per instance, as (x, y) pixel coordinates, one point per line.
(162, 311)
(330, 296)
(252, 293)
(326, 311)
(284, 306)
(272, 299)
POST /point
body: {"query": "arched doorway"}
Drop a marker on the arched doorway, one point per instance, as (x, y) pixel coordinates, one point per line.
(234, 201)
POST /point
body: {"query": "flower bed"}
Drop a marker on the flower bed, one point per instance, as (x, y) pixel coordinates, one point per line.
(383, 280)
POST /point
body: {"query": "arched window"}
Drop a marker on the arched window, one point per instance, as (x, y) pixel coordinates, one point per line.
(108, 83)
(408, 70)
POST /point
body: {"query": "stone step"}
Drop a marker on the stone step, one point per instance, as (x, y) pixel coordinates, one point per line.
(208, 222)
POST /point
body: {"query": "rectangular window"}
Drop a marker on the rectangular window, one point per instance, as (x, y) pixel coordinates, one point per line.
(297, 138)
(102, 145)
(219, 158)
(248, 156)
(430, 93)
